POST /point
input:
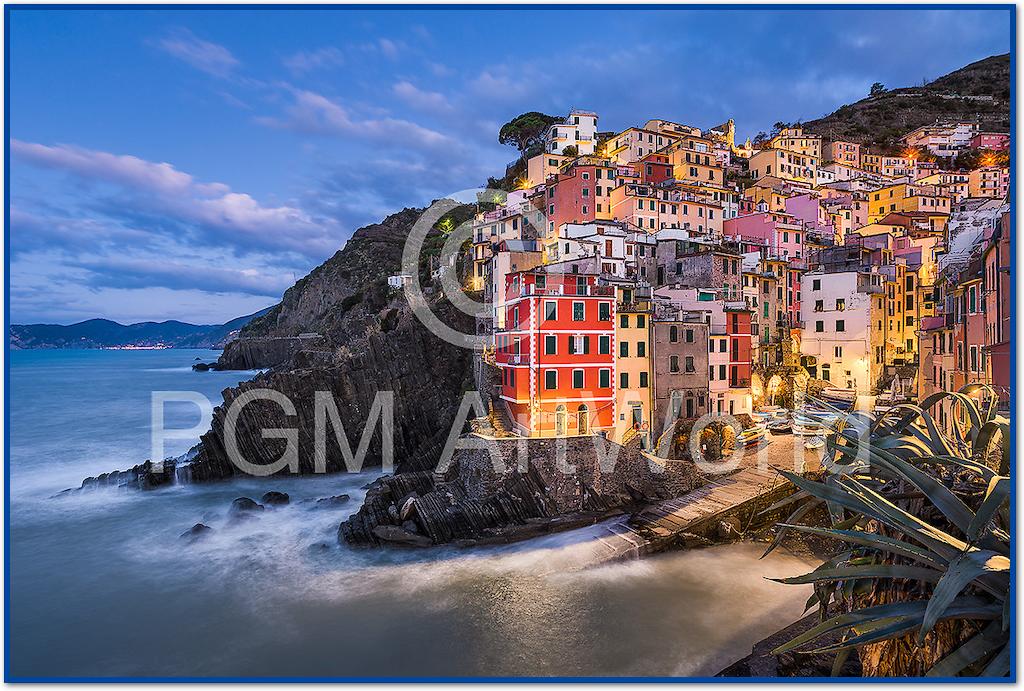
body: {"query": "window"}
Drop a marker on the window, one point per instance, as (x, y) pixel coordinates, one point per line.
(550, 310)
(578, 311)
(623, 348)
(673, 363)
(838, 352)
(551, 379)
(689, 335)
(816, 284)
(711, 345)
(722, 345)
(643, 380)
(604, 311)
(577, 379)
(721, 372)
(515, 316)
(819, 326)
(604, 378)
(840, 325)
(840, 304)
(689, 364)
(550, 345)
(641, 321)
(641, 349)
(623, 321)
(673, 334)
(623, 380)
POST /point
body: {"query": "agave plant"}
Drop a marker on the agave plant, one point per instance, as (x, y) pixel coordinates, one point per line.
(925, 572)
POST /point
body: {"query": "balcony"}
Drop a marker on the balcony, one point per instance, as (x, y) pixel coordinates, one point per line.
(739, 383)
(871, 289)
(568, 290)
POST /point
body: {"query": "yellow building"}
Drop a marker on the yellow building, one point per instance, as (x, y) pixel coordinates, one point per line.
(785, 164)
(693, 160)
(794, 139)
(632, 349)
(906, 197)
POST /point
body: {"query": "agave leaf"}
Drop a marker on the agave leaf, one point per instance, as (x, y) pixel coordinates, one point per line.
(962, 570)
(998, 492)
(973, 650)
(951, 506)
(883, 631)
(891, 627)
(877, 541)
(984, 439)
(841, 657)
(843, 573)
(786, 501)
(795, 516)
(999, 666)
(879, 507)
(873, 613)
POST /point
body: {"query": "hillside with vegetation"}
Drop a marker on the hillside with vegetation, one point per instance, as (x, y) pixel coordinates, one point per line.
(978, 92)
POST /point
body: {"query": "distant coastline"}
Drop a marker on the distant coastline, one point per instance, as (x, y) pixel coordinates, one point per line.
(104, 334)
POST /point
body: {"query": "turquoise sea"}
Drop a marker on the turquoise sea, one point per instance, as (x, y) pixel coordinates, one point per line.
(101, 584)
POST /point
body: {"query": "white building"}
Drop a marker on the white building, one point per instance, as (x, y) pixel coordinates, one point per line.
(579, 130)
(843, 315)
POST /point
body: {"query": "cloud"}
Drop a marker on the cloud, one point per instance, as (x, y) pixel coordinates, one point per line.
(211, 58)
(430, 101)
(499, 87)
(215, 212)
(119, 272)
(307, 61)
(389, 48)
(314, 113)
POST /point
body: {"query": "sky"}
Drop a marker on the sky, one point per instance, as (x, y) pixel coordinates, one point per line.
(192, 164)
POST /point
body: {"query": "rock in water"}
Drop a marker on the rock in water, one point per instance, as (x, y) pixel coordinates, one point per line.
(200, 367)
(332, 502)
(244, 505)
(273, 498)
(399, 536)
(196, 532)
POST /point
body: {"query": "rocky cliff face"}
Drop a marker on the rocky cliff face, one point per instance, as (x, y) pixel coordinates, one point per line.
(426, 374)
(344, 296)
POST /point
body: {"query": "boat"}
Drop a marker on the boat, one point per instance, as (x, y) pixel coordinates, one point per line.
(809, 429)
(780, 427)
(750, 436)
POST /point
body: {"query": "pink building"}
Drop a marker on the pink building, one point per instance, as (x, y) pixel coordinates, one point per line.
(781, 235)
(996, 141)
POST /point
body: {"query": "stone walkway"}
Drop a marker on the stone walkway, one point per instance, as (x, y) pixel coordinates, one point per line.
(673, 522)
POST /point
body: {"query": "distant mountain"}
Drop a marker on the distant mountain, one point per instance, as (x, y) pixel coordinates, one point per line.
(979, 92)
(103, 333)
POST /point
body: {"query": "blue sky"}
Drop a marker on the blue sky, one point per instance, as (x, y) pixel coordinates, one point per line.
(191, 164)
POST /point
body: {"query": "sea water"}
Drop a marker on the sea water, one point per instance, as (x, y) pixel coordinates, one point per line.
(101, 584)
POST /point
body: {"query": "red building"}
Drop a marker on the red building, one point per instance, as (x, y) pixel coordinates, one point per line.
(996, 141)
(737, 327)
(556, 354)
(580, 193)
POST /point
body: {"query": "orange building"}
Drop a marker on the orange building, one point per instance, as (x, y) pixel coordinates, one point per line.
(556, 353)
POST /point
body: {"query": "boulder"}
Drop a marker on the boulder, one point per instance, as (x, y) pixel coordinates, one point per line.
(200, 367)
(244, 505)
(196, 532)
(273, 498)
(332, 502)
(395, 535)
